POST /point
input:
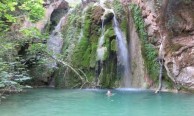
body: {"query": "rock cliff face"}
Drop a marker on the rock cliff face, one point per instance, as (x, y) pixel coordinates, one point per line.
(140, 79)
(179, 29)
(179, 59)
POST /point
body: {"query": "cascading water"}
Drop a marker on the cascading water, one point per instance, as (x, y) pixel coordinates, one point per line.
(101, 49)
(55, 41)
(123, 56)
(54, 45)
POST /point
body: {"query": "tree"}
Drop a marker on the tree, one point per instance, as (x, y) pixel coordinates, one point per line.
(12, 67)
(12, 10)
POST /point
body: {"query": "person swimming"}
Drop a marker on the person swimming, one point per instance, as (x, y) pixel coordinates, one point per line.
(108, 93)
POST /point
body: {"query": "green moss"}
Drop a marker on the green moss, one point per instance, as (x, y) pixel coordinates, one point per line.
(124, 25)
(87, 27)
(118, 8)
(109, 33)
(85, 52)
(109, 76)
(93, 51)
(114, 45)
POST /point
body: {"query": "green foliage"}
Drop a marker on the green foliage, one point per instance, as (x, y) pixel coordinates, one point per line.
(124, 25)
(37, 48)
(12, 72)
(32, 32)
(108, 36)
(108, 76)
(83, 50)
(11, 10)
(148, 50)
(71, 51)
(120, 15)
(33, 8)
(13, 67)
(118, 8)
(114, 45)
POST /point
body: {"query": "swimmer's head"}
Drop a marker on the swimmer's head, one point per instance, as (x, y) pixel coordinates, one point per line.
(108, 93)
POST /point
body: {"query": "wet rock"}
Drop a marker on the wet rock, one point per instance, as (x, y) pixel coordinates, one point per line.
(63, 5)
(97, 13)
(55, 5)
(108, 16)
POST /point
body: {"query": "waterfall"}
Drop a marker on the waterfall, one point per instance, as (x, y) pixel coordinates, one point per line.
(123, 55)
(101, 49)
(55, 41)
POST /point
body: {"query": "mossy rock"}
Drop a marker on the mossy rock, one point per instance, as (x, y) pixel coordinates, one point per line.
(114, 45)
(108, 17)
(97, 12)
(108, 75)
(124, 25)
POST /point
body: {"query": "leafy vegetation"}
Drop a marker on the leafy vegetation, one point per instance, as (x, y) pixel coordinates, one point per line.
(12, 10)
(16, 43)
(118, 8)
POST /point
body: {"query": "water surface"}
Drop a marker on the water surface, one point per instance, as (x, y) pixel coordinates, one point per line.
(55, 102)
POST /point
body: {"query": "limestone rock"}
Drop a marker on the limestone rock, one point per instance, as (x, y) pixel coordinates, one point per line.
(97, 12)
(108, 16)
(179, 21)
(186, 77)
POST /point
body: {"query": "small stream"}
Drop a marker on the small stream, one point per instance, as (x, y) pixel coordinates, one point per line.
(60, 102)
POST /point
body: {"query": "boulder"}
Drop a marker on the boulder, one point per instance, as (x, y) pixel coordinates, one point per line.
(186, 77)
